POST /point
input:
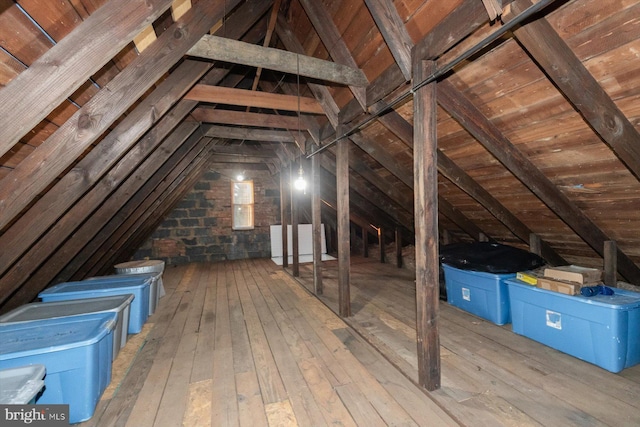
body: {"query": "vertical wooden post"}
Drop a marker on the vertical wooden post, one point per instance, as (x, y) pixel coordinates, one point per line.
(610, 263)
(446, 237)
(398, 237)
(535, 244)
(295, 198)
(425, 190)
(381, 243)
(365, 243)
(285, 191)
(344, 255)
(352, 233)
(316, 224)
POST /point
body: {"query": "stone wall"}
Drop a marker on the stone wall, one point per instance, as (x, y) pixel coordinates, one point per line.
(199, 227)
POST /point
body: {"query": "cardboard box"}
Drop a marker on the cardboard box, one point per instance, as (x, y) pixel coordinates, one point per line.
(562, 286)
(574, 273)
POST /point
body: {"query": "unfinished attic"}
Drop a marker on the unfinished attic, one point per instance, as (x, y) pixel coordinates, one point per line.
(177, 133)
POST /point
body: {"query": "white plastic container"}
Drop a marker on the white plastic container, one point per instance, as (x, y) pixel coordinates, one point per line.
(152, 266)
(119, 304)
(21, 385)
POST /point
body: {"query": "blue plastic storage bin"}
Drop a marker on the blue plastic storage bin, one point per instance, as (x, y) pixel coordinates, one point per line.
(119, 304)
(76, 352)
(484, 294)
(139, 287)
(21, 385)
(602, 329)
(154, 286)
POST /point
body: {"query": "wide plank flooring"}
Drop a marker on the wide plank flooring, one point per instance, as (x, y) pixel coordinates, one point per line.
(241, 343)
(490, 376)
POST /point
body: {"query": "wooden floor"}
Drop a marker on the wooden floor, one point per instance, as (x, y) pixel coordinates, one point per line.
(243, 344)
(490, 376)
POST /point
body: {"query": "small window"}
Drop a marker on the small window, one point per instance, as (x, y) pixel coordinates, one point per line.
(242, 205)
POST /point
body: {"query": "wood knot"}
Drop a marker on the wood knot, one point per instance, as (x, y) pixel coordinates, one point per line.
(613, 123)
(85, 121)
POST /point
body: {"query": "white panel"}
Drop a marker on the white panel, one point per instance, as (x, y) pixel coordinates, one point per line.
(305, 243)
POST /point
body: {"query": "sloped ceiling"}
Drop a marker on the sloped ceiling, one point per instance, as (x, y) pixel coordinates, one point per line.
(111, 110)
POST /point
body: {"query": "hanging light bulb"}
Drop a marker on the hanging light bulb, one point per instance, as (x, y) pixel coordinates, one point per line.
(300, 183)
(240, 177)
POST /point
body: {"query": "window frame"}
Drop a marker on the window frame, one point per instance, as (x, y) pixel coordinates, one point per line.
(249, 223)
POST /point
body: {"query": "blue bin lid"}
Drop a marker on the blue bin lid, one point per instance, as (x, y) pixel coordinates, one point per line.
(98, 285)
(50, 335)
(49, 310)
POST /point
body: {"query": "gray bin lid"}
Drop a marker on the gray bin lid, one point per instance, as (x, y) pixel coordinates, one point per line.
(53, 309)
(142, 266)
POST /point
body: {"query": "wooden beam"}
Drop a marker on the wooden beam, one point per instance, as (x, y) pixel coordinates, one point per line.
(394, 32)
(174, 189)
(461, 109)
(34, 223)
(242, 150)
(248, 98)
(323, 23)
(425, 174)
(145, 38)
(60, 150)
(398, 242)
(365, 243)
(610, 277)
(36, 91)
(551, 53)
(73, 248)
(295, 240)
(344, 253)
(404, 130)
(316, 225)
(464, 20)
(400, 215)
(457, 25)
(271, 24)
(207, 114)
(243, 133)
(237, 52)
(46, 245)
(362, 212)
(153, 218)
(233, 167)
(179, 8)
(320, 92)
(285, 192)
(535, 245)
(381, 244)
(329, 202)
(131, 216)
(239, 159)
